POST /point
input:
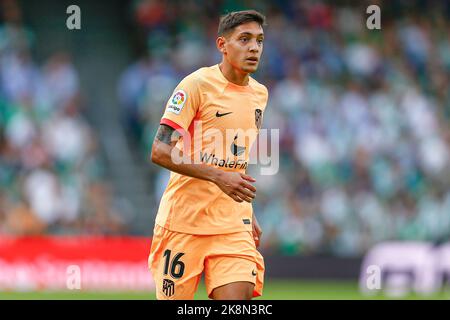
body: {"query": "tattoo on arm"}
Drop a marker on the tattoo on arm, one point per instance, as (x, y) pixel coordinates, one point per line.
(165, 133)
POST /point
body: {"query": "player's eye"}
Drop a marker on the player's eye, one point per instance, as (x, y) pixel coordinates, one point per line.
(244, 39)
(260, 41)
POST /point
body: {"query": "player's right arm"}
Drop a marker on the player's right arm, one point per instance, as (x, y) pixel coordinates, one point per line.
(234, 184)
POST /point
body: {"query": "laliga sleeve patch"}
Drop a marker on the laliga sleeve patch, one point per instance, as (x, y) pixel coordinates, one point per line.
(177, 101)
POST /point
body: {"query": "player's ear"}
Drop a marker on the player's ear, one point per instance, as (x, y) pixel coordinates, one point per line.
(220, 43)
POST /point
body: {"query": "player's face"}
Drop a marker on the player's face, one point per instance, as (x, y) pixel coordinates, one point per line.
(244, 46)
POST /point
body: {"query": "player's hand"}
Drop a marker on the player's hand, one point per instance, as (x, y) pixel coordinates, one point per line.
(236, 185)
(256, 231)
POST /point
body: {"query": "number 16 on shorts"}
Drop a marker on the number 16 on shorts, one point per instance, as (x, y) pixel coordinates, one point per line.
(176, 269)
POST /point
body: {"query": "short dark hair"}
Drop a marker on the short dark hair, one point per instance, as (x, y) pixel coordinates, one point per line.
(233, 19)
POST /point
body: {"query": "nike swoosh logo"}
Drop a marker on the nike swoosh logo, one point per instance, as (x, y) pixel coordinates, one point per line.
(218, 115)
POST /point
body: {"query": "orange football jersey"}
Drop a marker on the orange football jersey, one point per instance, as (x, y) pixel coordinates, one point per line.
(220, 121)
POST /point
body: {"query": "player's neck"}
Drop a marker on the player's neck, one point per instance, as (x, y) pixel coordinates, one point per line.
(232, 75)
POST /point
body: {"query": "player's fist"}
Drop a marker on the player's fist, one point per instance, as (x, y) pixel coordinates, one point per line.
(236, 185)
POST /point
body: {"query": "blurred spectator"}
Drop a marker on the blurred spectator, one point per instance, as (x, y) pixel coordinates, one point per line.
(22, 220)
(49, 157)
(61, 78)
(14, 36)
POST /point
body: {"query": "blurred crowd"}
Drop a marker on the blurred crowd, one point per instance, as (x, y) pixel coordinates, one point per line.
(364, 115)
(52, 178)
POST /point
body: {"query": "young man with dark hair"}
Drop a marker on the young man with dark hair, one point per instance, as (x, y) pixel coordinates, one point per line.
(205, 222)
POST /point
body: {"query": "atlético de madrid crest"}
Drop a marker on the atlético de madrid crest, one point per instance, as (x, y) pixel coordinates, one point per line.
(258, 118)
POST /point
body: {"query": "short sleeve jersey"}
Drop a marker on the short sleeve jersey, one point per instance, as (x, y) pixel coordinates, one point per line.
(219, 122)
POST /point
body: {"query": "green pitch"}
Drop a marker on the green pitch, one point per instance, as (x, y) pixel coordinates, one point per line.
(273, 290)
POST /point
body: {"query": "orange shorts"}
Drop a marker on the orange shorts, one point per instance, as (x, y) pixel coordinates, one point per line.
(177, 261)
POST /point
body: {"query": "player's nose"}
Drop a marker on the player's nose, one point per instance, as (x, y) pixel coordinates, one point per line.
(254, 46)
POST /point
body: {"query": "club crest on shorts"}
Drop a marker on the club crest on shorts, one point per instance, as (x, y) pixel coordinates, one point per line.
(258, 118)
(168, 287)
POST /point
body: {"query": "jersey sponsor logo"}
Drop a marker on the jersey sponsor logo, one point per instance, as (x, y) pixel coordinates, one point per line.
(258, 118)
(223, 163)
(177, 101)
(246, 221)
(218, 115)
(235, 149)
(168, 287)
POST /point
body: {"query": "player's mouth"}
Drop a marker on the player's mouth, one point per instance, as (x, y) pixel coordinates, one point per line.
(252, 60)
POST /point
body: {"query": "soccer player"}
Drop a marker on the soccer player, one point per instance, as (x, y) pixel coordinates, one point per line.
(205, 222)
